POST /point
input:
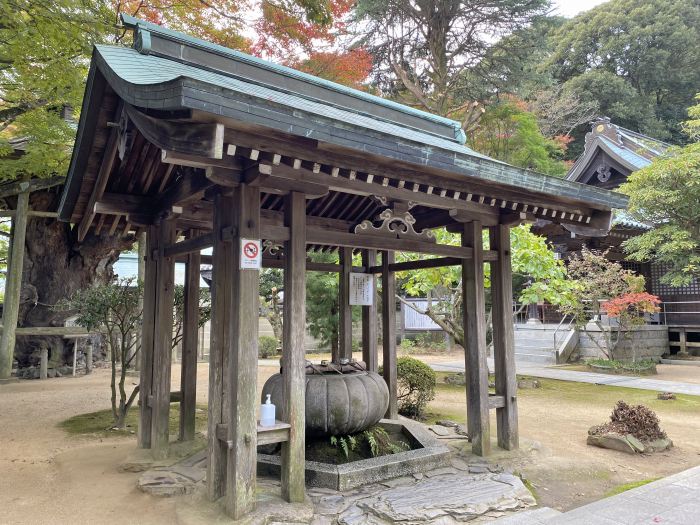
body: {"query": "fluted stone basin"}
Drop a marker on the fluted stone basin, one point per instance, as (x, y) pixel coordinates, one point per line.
(336, 404)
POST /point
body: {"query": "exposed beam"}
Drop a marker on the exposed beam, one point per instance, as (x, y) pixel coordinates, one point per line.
(11, 189)
(194, 161)
(192, 138)
(375, 242)
(191, 245)
(100, 185)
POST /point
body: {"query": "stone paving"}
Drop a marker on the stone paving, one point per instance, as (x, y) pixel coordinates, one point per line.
(674, 500)
(546, 372)
(472, 490)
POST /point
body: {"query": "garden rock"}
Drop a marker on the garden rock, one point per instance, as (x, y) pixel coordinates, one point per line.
(637, 445)
(611, 441)
(658, 445)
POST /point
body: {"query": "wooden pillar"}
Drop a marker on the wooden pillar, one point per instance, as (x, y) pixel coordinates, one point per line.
(389, 332)
(148, 325)
(242, 373)
(220, 334)
(475, 340)
(369, 317)
(503, 340)
(190, 328)
(13, 286)
(293, 360)
(344, 308)
(162, 342)
(141, 269)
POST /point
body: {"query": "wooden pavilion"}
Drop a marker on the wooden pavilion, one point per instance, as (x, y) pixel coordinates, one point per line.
(201, 146)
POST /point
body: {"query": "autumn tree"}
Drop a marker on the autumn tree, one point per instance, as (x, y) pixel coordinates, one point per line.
(601, 286)
(431, 55)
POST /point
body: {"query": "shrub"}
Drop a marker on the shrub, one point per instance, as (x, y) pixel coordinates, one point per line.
(267, 346)
(416, 386)
(407, 345)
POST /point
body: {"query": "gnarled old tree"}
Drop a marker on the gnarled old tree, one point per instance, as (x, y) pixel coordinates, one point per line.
(432, 54)
(44, 51)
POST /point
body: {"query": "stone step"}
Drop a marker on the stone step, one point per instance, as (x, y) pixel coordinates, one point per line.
(535, 358)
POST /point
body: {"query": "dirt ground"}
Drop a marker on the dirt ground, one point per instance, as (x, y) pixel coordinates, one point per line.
(48, 476)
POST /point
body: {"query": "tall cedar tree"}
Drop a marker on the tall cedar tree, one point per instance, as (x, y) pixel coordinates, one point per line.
(427, 51)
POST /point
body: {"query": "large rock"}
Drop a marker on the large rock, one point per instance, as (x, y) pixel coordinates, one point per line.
(628, 444)
(611, 441)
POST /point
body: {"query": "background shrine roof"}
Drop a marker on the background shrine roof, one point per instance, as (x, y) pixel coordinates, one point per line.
(630, 149)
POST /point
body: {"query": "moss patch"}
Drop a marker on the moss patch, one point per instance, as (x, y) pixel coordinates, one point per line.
(628, 486)
(98, 424)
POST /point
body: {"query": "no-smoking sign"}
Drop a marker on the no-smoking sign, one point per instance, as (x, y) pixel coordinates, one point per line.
(251, 254)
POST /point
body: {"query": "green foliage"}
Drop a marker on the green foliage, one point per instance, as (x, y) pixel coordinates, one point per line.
(416, 386)
(375, 440)
(638, 60)
(665, 195)
(45, 49)
(509, 132)
(596, 280)
(538, 276)
(179, 311)
(322, 303)
(115, 309)
(407, 345)
(267, 346)
(443, 62)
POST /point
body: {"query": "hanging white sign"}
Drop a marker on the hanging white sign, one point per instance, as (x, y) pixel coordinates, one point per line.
(361, 289)
(251, 254)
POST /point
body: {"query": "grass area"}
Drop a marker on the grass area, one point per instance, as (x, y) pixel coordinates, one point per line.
(98, 424)
(568, 392)
(628, 486)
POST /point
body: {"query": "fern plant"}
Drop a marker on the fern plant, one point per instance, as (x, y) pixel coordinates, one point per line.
(375, 438)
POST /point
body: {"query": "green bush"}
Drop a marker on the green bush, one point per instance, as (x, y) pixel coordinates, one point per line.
(407, 345)
(267, 346)
(416, 386)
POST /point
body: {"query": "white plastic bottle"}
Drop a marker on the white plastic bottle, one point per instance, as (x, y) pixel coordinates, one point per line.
(267, 413)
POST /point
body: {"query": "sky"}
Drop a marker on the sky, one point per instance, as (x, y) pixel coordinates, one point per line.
(571, 8)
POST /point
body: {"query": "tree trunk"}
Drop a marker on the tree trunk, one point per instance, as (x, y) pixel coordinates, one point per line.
(55, 266)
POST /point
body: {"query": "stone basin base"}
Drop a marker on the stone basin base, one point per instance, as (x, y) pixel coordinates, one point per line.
(427, 453)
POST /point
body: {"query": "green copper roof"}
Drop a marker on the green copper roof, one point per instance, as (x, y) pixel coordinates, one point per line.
(153, 82)
(146, 31)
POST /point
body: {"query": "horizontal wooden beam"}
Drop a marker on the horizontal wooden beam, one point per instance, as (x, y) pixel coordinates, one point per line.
(10, 189)
(194, 244)
(376, 242)
(278, 433)
(195, 161)
(31, 213)
(496, 401)
(63, 331)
